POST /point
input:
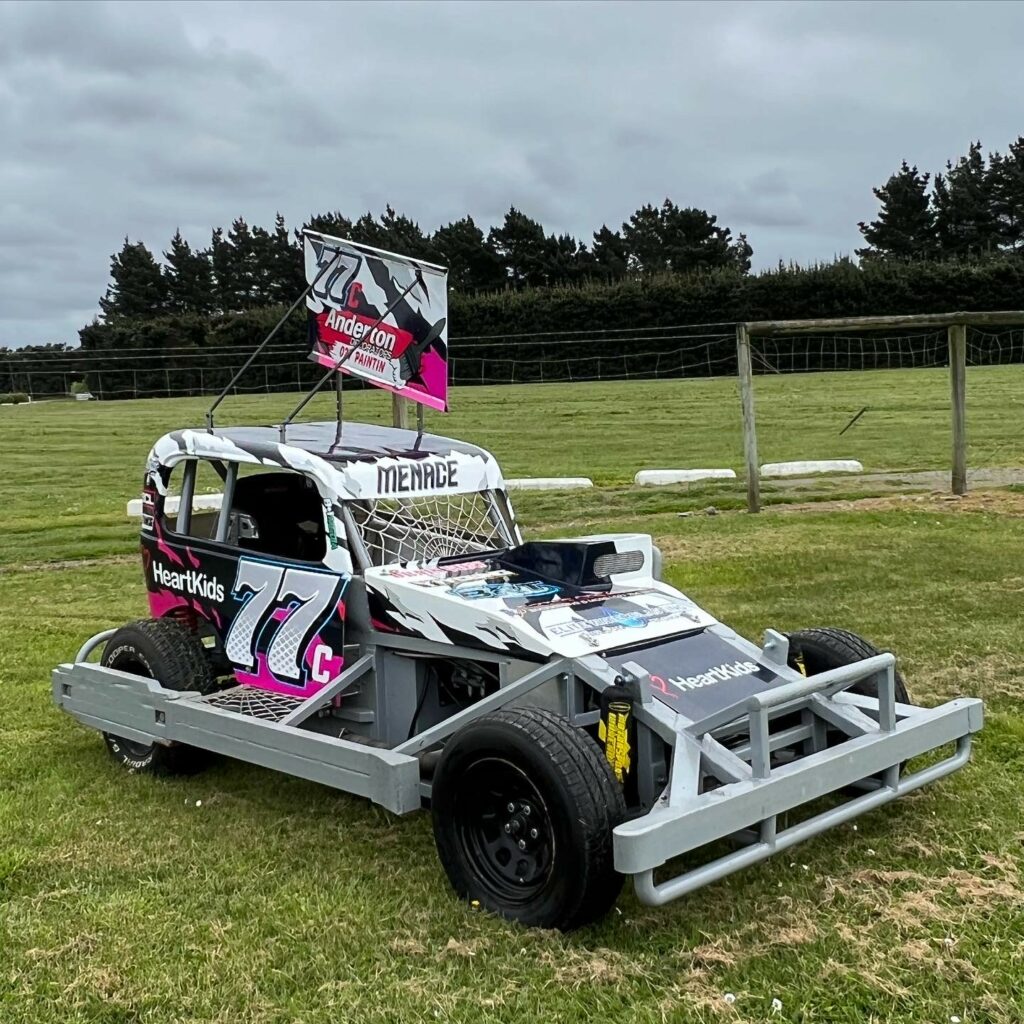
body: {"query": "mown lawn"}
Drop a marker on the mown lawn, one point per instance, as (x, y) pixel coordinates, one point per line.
(243, 896)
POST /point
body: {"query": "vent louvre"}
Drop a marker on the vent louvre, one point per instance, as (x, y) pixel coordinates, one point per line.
(621, 561)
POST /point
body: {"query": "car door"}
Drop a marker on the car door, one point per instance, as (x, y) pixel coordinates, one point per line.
(250, 575)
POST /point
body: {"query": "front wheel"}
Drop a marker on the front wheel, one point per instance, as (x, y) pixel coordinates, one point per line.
(823, 648)
(523, 808)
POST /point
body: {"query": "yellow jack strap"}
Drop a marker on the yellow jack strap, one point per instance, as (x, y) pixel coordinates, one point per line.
(614, 734)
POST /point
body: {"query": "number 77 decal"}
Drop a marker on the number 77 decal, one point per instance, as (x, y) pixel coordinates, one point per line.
(296, 598)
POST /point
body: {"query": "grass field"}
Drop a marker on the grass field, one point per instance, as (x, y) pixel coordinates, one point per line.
(242, 896)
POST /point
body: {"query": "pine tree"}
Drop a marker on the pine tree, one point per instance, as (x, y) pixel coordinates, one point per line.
(692, 239)
(1006, 192)
(189, 278)
(137, 289)
(905, 228)
(221, 263)
(334, 224)
(523, 248)
(741, 252)
(609, 255)
(472, 263)
(965, 222)
(288, 274)
(403, 235)
(246, 278)
(680, 239)
(567, 261)
(642, 237)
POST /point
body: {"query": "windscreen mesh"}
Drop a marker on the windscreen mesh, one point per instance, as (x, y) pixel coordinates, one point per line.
(421, 529)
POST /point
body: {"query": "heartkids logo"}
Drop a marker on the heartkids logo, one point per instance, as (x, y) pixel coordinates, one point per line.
(192, 582)
(718, 674)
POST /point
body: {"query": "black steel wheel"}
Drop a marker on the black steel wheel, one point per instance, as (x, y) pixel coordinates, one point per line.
(166, 651)
(523, 808)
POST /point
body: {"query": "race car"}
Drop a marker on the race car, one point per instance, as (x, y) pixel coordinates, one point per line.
(361, 610)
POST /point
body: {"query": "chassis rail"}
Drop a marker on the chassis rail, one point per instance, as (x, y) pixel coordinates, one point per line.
(735, 774)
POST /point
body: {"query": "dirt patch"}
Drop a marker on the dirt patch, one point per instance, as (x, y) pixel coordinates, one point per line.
(578, 969)
(1008, 503)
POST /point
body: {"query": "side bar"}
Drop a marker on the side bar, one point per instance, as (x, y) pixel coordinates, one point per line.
(140, 709)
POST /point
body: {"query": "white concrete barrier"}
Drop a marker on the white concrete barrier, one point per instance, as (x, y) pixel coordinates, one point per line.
(549, 483)
(660, 477)
(806, 468)
(199, 501)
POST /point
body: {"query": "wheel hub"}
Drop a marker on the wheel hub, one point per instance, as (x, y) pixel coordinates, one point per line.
(505, 831)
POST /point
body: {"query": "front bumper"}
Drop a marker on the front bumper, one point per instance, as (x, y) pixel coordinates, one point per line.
(881, 737)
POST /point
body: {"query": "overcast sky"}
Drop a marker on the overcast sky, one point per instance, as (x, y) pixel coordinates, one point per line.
(135, 119)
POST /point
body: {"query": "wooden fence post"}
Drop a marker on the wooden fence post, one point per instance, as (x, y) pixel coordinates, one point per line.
(957, 334)
(399, 411)
(746, 376)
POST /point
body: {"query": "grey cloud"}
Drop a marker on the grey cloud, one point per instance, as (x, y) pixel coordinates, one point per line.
(136, 119)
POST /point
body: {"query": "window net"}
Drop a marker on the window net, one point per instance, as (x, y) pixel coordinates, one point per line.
(422, 529)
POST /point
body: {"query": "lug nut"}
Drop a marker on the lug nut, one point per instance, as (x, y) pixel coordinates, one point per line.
(511, 808)
(534, 833)
(526, 808)
(522, 844)
(508, 826)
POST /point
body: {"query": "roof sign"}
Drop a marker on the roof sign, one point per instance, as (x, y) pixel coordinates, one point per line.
(379, 316)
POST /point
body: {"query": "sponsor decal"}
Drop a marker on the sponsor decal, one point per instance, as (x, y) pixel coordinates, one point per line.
(428, 475)
(605, 620)
(431, 573)
(381, 340)
(584, 600)
(190, 581)
(718, 674)
(633, 616)
(525, 588)
(382, 316)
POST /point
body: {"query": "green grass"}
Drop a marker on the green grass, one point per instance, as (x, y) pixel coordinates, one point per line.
(125, 899)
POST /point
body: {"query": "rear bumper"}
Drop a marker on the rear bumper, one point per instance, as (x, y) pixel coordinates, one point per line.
(680, 824)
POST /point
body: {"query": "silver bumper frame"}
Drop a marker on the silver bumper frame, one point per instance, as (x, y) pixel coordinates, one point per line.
(880, 736)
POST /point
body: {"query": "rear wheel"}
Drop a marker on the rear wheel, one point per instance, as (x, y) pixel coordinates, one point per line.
(166, 651)
(523, 807)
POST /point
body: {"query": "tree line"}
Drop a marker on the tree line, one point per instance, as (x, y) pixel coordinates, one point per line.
(950, 242)
(249, 267)
(596, 329)
(974, 210)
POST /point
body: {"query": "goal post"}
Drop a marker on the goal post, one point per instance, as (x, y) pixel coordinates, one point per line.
(955, 325)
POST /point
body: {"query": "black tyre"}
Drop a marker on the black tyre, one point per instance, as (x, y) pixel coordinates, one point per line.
(166, 651)
(825, 648)
(523, 807)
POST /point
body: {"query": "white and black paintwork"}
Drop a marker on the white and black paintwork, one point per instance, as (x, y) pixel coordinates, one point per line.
(367, 461)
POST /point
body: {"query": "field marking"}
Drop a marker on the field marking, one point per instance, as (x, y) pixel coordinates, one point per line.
(660, 477)
(772, 469)
(549, 483)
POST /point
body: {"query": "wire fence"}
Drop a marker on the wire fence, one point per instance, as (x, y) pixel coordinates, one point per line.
(679, 351)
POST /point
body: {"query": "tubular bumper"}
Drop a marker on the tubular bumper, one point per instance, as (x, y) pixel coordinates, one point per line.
(881, 735)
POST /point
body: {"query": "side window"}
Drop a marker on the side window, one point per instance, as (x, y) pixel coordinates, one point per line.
(273, 511)
(207, 491)
(278, 512)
